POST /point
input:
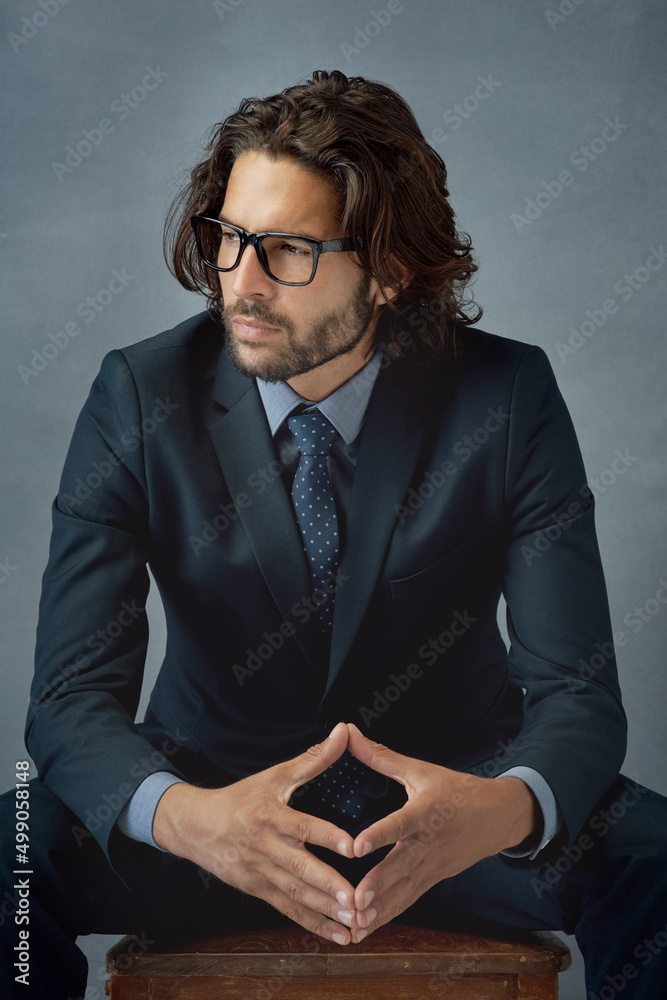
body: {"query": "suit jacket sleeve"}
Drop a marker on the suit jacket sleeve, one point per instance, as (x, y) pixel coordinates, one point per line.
(92, 633)
(561, 651)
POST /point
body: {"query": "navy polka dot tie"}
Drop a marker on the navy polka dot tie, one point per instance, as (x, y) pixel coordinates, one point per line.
(315, 507)
(338, 786)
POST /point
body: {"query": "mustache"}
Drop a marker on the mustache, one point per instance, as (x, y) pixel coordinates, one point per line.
(254, 310)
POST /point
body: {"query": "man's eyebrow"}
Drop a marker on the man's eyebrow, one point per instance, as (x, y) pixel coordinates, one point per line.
(287, 232)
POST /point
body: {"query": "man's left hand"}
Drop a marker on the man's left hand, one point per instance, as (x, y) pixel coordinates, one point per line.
(450, 821)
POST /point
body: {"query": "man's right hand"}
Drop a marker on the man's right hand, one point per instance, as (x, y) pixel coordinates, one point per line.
(247, 836)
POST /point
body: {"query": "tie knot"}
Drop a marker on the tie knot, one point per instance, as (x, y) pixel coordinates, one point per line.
(313, 433)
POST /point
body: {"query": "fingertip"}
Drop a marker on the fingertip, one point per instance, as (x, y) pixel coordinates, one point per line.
(344, 849)
(362, 848)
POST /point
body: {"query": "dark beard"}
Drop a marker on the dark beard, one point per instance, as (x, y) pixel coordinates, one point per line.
(328, 339)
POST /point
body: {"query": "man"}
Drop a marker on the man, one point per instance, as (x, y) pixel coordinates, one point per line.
(332, 478)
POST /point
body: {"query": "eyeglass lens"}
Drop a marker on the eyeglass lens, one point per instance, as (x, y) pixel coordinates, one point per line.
(287, 260)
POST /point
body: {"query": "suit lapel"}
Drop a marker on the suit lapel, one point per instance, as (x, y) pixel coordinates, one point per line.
(391, 442)
(243, 445)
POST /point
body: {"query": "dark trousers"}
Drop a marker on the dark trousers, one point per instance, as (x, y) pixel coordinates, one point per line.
(609, 889)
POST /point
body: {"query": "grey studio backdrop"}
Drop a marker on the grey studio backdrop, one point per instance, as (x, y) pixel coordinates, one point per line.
(551, 118)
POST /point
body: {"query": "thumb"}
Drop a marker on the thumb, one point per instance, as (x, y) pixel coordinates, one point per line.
(380, 758)
(315, 759)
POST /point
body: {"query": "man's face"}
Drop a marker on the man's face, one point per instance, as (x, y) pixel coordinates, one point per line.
(278, 331)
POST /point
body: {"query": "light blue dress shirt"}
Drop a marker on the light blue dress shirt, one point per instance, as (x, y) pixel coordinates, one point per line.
(346, 409)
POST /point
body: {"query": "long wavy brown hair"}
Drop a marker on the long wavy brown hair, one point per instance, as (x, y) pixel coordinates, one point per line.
(392, 188)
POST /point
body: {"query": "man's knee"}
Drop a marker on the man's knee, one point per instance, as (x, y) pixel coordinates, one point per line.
(629, 820)
(621, 842)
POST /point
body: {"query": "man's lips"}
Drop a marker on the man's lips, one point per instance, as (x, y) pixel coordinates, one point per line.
(253, 329)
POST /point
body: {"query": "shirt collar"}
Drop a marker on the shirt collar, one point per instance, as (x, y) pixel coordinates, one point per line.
(345, 408)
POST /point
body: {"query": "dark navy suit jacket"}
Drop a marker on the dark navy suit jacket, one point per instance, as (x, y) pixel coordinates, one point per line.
(469, 483)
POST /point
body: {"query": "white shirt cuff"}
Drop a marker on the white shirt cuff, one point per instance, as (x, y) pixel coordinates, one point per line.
(136, 819)
(547, 803)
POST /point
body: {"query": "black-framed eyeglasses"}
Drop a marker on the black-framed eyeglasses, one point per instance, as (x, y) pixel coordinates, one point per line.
(285, 258)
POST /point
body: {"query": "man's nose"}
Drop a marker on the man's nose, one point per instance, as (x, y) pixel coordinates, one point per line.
(249, 279)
